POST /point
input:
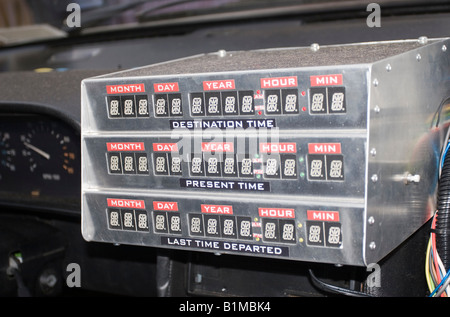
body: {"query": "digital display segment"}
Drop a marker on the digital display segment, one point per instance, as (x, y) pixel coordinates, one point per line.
(196, 167)
(174, 224)
(290, 101)
(114, 107)
(270, 230)
(288, 166)
(244, 228)
(287, 231)
(271, 166)
(197, 104)
(229, 165)
(128, 106)
(333, 234)
(316, 167)
(228, 227)
(245, 166)
(141, 163)
(329, 167)
(196, 225)
(335, 167)
(229, 103)
(279, 230)
(160, 164)
(314, 233)
(246, 103)
(220, 226)
(175, 166)
(142, 108)
(212, 225)
(161, 105)
(128, 163)
(327, 100)
(160, 222)
(114, 163)
(273, 101)
(213, 104)
(175, 105)
(222, 103)
(114, 219)
(324, 234)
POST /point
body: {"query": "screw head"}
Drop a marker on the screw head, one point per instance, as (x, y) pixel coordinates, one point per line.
(423, 40)
(315, 47)
(374, 178)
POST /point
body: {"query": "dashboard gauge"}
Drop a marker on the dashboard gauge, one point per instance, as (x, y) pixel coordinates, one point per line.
(8, 153)
(48, 151)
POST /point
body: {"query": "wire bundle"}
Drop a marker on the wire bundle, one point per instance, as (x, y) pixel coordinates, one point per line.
(435, 267)
(436, 275)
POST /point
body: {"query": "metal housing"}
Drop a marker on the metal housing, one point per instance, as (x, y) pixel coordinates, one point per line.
(390, 135)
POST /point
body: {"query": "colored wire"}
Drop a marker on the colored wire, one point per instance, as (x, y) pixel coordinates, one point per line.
(435, 272)
(429, 278)
(444, 280)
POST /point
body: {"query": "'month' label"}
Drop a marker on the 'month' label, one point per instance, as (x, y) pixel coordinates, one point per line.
(125, 89)
(125, 146)
(125, 203)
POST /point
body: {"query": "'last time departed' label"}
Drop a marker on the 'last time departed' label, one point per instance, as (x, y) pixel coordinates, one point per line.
(226, 246)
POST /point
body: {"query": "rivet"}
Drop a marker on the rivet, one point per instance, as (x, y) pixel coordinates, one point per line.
(374, 178)
(418, 57)
(373, 151)
(372, 245)
(388, 67)
(315, 47)
(375, 82)
(222, 53)
(371, 220)
(423, 40)
(444, 48)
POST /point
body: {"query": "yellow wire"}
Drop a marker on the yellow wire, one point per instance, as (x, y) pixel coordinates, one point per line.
(430, 283)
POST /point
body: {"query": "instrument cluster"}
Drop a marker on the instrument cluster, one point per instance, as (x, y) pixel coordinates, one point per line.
(39, 162)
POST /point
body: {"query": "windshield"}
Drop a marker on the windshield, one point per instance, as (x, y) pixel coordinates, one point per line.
(31, 20)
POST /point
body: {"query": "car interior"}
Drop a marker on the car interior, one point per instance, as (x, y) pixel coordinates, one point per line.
(224, 148)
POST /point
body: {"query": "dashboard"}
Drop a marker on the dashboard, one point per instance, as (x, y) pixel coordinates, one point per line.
(42, 167)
